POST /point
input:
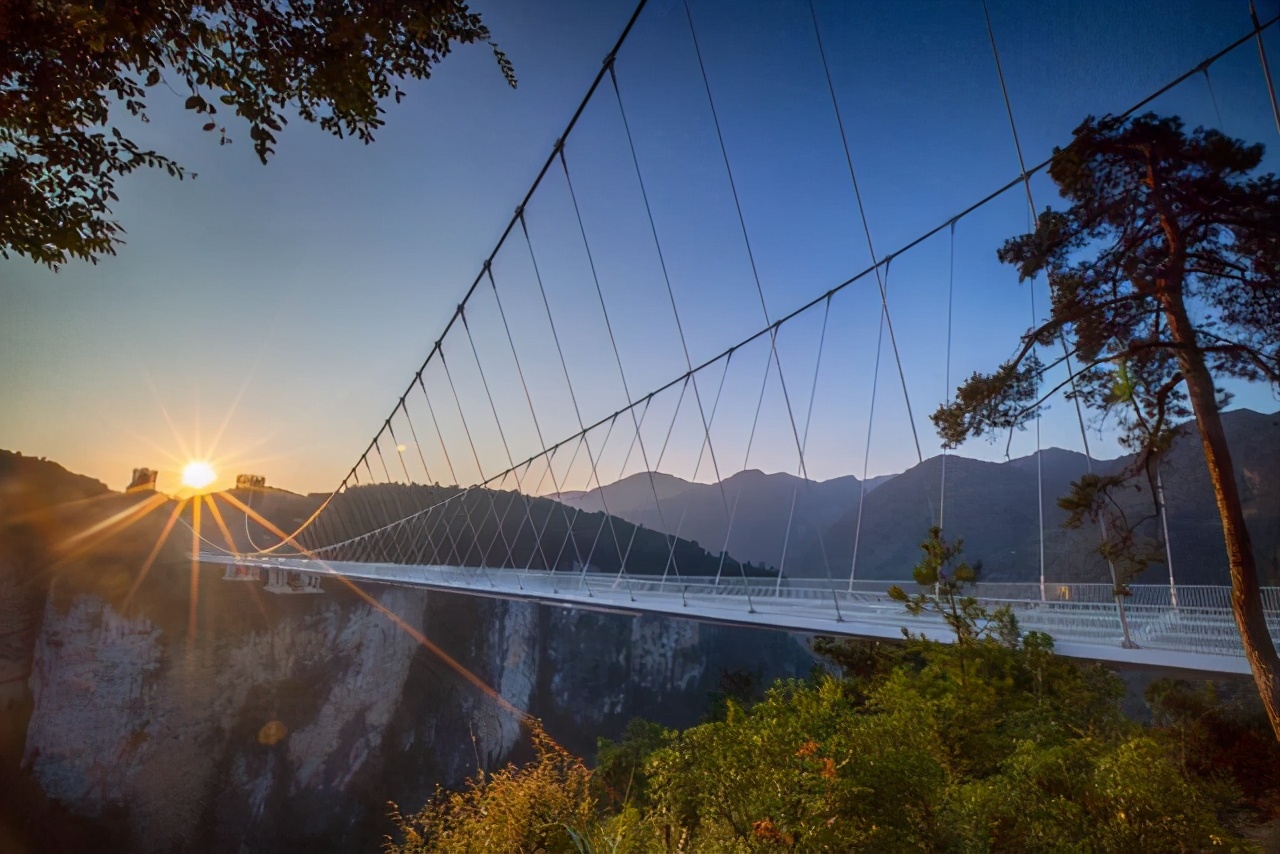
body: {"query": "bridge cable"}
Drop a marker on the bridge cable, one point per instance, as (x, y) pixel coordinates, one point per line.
(697, 465)
(951, 283)
(463, 491)
(866, 227)
(613, 341)
(1213, 97)
(866, 454)
(746, 240)
(537, 427)
(728, 533)
(1022, 179)
(666, 277)
(564, 366)
(484, 381)
(466, 429)
(1026, 182)
(804, 444)
(430, 538)
(1266, 68)
(395, 499)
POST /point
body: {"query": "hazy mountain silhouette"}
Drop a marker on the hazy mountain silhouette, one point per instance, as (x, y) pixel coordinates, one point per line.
(495, 528)
(992, 506)
(759, 504)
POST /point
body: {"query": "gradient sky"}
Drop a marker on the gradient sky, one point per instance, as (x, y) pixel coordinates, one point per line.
(283, 309)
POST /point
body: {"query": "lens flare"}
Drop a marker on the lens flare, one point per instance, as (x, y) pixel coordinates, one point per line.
(198, 475)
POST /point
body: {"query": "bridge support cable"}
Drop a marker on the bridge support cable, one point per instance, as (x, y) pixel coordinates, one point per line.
(506, 448)
(1266, 68)
(1213, 98)
(675, 311)
(881, 281)
(548, 456)
(662, 453)
(746, 242)
(703, 446)
(428, 534)
(403, 540)
(1168, 544)
(448, 460)
(613, 341)
(951, 284)
(803, 473)
(742, 222)
(866, 452)
(1062, 338)
(635, 440)
(359, 501)
(728, 533)
(882, 285)
(528, 397)
(592, 459)
(1255, 34)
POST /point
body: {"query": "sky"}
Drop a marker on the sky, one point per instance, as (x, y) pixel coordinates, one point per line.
(270, 317)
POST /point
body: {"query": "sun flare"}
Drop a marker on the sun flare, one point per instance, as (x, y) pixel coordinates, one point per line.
(198, 475)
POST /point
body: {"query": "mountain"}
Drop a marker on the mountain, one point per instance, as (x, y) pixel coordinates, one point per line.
(28, 481)
(993, 507)
(760, 506)
(174, 711)
(495, 528)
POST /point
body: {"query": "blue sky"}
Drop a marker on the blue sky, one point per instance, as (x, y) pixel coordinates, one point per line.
(283, 309)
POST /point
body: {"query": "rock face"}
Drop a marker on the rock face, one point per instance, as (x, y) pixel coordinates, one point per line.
(291, 721)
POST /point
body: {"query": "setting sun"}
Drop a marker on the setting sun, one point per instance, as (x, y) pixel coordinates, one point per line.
(198, 475)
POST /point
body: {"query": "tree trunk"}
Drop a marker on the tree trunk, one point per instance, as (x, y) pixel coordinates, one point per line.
(1246, 598)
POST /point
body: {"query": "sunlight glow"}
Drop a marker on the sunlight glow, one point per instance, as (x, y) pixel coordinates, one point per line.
(198, 475)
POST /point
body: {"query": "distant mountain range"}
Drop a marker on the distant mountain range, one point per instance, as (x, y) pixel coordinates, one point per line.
(809, 529)
(779, 522)
(760, 505)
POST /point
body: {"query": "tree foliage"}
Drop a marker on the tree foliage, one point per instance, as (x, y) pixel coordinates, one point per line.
(65, 65)
(943, 581)
(1164, 276)
(544, 806)
(988, 746)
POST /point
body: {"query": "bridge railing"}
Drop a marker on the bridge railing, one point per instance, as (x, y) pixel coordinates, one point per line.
(1201, 621)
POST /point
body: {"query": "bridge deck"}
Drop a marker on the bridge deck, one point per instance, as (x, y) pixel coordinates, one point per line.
(1192, 629)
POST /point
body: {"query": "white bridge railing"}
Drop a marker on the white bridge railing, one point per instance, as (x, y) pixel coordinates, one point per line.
(1189, 627)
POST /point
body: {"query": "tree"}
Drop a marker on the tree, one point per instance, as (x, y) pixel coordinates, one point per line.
(544, 806)
(62, 64)
(1165, 276)
(943, 594)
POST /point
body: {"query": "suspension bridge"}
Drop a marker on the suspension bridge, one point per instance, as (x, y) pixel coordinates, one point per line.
(586, 355)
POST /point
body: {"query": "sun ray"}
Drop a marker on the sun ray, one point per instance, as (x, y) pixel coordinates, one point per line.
(111, 525)
(451, 662)
(173, 429)
(155, 551)
(174, 459)
(235, 403)
(62, 506)
(231, 546)
(195, 568)
(221, 523)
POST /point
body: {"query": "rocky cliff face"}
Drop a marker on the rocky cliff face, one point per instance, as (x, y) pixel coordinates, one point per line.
(288, 721)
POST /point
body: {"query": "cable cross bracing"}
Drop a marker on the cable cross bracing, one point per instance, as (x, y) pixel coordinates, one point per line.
(499, 517)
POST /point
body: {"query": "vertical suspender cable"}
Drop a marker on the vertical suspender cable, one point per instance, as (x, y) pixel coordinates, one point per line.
(866, 227)
(1266, 69)
(866, 453)
(951, 284)
(1084, 438)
